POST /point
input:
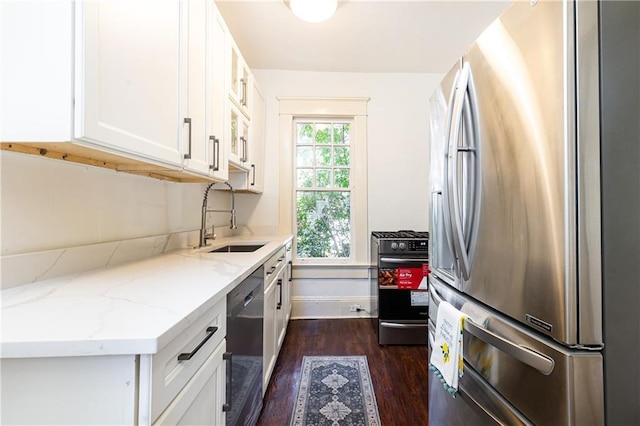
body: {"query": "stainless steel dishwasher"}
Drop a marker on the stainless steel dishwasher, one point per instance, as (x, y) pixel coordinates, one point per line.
(245, 315)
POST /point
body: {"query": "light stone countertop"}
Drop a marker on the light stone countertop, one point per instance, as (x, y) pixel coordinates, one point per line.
(133, 308)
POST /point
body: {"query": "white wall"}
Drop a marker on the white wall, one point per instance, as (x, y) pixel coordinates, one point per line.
(398, 146)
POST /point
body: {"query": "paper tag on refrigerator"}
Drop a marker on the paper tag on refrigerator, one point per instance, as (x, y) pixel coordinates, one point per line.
(413, 278)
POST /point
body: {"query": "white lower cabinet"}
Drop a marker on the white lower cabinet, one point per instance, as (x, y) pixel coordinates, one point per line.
(284, 312)
(281, 303)
(269, 343)
(201, 400)
(275, 318)
(184, 383)
(90, 390)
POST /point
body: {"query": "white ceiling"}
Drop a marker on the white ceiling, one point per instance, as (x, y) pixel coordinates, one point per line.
(416, 36)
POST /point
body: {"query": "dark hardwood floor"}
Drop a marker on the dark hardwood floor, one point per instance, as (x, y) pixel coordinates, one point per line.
(399, 373)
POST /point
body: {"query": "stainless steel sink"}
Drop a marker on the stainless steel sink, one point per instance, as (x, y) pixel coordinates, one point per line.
(237, 248)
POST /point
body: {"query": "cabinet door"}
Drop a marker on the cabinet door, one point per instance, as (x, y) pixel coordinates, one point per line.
(289, 293)
(205, 151)
(281, 307)
(127, 77)
(200, 401)
(196, 147)
(216, 93)
(240, 79)
(238, 138)
(270, 337)
(257, 141)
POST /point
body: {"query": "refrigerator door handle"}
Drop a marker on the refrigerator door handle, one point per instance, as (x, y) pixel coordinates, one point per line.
(446, 217)
(523, 354)
(476, 392)
(451, 179)
(465, 109)
(476, 175)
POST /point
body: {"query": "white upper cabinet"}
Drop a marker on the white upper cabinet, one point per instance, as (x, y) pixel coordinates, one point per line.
(156, 88)
(216, 92)
(240, 79)
(127, 77)
(257, 141)
(203, 145)
(238, 136)
(249, 177)
(37, 78)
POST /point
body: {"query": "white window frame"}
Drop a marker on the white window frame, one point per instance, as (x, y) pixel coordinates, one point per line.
(330, 108)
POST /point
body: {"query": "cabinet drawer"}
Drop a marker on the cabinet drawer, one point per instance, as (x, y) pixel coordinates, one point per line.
(201, 400)
(273, 266)
(179, 360)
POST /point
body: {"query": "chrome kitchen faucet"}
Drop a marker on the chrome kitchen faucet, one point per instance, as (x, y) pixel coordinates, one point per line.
(203, 229)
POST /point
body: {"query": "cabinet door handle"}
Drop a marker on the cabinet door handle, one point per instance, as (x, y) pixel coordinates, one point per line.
(216, 142)
(243, 101)
(215, 161)
(227, 357)
(187, 120)
(253, 174)
(187, 356)
(279, 283)
(290, 270)
(244, 149)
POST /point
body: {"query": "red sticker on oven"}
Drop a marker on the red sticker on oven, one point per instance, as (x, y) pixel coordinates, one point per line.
(413, 278)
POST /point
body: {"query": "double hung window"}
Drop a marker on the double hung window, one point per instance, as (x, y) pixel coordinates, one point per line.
(323, 181)
(323, 190)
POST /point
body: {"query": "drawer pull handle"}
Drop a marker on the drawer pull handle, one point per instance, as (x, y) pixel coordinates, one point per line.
(187, 356)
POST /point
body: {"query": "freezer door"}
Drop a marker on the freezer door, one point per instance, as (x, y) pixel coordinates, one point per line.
(526, 253)
(476, 403)
(516, 376)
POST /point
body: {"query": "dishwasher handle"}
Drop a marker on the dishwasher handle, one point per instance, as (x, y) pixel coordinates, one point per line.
(248, 299)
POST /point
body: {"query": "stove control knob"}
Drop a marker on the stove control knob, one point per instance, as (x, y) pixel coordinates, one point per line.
(394, 246)
(403, 246)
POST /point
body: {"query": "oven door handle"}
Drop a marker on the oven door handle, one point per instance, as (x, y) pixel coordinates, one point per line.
(403, 260)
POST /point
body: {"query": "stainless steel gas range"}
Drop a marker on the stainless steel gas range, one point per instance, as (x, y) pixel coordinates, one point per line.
(400, 309)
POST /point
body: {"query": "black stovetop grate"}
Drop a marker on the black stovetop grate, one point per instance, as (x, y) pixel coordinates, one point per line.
(401, 234)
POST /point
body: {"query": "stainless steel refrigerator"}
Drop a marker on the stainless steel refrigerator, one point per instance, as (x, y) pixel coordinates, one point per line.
(535, 217)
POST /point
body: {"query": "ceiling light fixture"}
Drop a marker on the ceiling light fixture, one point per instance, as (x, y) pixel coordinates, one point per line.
(313, 10)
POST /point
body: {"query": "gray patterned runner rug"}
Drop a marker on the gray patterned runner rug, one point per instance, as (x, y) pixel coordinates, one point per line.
(335, 391)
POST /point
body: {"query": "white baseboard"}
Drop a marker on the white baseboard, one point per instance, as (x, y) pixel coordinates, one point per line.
(329, 307)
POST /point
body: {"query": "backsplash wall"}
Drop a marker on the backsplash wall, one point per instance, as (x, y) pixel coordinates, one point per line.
(48, 204)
